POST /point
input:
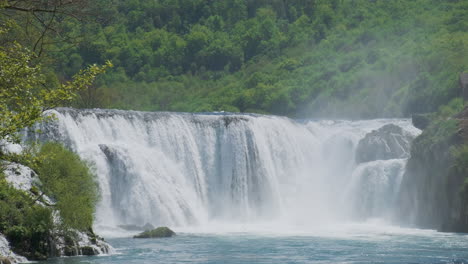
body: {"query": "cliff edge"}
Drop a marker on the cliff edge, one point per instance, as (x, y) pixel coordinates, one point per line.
(434, 192)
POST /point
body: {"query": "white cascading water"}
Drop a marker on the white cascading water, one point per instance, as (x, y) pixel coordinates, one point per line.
(182, 169)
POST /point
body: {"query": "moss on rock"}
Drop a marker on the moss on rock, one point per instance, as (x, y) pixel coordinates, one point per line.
(156, 233)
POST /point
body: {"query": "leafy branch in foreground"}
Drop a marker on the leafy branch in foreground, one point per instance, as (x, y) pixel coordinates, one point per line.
(23, 94)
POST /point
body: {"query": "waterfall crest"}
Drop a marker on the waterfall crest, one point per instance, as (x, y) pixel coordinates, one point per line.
(183, 169)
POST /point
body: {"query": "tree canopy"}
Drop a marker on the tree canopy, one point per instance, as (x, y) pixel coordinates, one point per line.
(24, 94)
(298, 58)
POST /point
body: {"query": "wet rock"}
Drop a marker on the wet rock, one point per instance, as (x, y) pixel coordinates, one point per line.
(69, 251)
(5, 260)
(420, 121)
(432, 193)
(156, 233)
(88, 251)
(74, 243)
(387, 142)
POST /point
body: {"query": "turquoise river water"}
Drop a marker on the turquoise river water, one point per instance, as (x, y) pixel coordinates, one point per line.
(359, 243)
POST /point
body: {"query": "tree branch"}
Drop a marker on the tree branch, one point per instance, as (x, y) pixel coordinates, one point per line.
(29, 9)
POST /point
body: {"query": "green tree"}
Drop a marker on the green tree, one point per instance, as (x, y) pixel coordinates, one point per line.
(23, 96)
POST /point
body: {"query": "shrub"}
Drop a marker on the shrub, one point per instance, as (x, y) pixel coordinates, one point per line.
(25, 224)
(68, 180)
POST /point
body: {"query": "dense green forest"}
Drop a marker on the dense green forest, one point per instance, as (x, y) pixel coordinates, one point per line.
(314, 58)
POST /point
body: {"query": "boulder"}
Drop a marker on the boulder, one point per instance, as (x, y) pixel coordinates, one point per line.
(156, 233)
(387, 142)
(88, 251)
(5, 260)
(69, 251)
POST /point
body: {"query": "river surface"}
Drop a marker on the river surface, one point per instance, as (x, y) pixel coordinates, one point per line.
(352, 243)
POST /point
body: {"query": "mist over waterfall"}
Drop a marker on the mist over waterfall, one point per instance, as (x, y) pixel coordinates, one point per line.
(183, 169)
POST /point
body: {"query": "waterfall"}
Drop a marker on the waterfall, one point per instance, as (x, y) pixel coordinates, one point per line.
(182, 169)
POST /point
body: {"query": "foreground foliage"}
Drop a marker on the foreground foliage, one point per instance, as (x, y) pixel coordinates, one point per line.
(26, 225)
(68, 180)
(28, 87)
(24, 95)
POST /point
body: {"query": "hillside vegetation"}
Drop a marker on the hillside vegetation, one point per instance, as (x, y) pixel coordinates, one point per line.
(434, 189)
(60, 202)
(298, 58)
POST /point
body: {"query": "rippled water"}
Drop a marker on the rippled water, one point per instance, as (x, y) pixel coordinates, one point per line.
(363, 243)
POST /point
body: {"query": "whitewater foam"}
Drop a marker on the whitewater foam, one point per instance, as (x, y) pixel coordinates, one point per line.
(187, 170)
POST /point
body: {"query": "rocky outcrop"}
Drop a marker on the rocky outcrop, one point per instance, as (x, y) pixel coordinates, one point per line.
(60, 242)
(387, 142)
(433, 193)
(156, 233)
(6, 255)
(25, 179)
(80, 243)
(420, 121)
